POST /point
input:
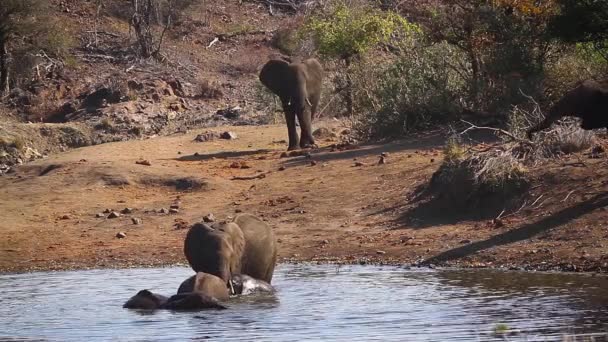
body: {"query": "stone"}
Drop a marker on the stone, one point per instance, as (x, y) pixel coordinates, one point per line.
(466, 241)
(107, 211)
(382, 160)
(143, 162)
(136, 221)
(174, 206)
(100, 215)
(173, 211)
(209, 218)
(228, 135)
(127, 211)
(281, 168)
(359, 164)
(121, 235)
(65, 217)
(230, 112)
(206, 136)
(163, 211)
(113, 215)
(284, 155)
(313, 163)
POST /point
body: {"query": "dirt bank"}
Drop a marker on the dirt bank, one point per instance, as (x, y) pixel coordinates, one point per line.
(336, 205)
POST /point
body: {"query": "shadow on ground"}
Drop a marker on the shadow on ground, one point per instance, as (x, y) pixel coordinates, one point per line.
(526, 231)
(222, 155)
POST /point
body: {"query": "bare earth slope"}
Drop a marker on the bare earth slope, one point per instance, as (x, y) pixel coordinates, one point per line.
(332, 206)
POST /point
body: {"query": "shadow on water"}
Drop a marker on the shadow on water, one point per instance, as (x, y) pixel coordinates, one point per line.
(526, 231)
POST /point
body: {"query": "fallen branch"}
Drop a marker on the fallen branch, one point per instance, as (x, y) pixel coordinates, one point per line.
(215, 40)
(224, 36)
(105, 33)
(258, 176)
(567, 196)
(493, 129)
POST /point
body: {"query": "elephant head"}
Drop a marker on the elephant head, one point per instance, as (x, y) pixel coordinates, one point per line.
(588, 101)
(242, 284)
(298, 86)
(145, 300)
(216, 249)
(247, 245)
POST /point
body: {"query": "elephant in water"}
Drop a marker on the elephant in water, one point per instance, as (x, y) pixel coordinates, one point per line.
(207, 284)
(297, 84)
(245, 246)
(146, 300)
(242, 284)
(588, 101)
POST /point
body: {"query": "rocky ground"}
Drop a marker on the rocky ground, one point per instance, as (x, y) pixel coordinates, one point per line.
(129, 203)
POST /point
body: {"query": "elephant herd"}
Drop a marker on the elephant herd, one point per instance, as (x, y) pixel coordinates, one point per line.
(228, 258)
(298, 85)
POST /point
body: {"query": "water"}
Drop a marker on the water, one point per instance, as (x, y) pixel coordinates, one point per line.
(312, 303)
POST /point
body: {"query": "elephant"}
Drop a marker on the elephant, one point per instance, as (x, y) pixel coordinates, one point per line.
(192, 301)
(588, 101)
(242, 284)
(245, 246)
(146, 300)
(297, 84)
(205, 283)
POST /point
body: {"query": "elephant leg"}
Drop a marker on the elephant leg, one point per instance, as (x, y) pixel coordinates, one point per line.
(290, 118)
(306, 128)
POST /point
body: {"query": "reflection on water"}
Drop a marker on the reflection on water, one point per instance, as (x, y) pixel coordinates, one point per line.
(313, 303)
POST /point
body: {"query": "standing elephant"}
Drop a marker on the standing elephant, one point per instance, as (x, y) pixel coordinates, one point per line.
(247, 245)
(297, 84)
(588, 101)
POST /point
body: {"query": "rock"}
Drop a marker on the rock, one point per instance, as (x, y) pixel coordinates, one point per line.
(107, 211)
(163, 211)
(173, 211)
(235, 165)
(284, 155)
(65, 217)
(174, 206)
(209, 218)
(238, 211)
(136, 221)
(230, 112)
(121, 235)
(359, 164)
(465, 242)
(143, 162)
(323, 132)
(325, 242)
(206, 136)
(382, 160)
(100, 215)
(432, 160)
(281, 168)
(127, 211)
(313, 163)
(228, 135)
(113, 215)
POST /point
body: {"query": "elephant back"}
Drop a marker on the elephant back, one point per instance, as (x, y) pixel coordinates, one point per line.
(205, 283)
(260, 255)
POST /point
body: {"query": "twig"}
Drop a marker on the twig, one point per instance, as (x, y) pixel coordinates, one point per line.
(215, 40)
(493, 129)
(567, 196)
(258, 176)
(104, 33)
(499, 215)
(539, 197)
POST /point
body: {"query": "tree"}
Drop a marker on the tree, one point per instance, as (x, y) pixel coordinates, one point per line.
(582, 21)
(347, 33)
(12, 16)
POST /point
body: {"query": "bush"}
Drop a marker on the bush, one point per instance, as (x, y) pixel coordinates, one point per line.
(492, 180)
(419, 90)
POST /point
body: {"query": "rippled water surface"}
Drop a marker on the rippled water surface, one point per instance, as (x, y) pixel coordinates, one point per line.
(312, 303)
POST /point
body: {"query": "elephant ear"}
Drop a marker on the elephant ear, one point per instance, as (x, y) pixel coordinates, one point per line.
(276, 76)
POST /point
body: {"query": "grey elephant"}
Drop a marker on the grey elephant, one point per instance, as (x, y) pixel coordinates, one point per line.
(207, 284)
(245, 246)
(298, 86)
(588, 101)
(242, 284)
(146, 300)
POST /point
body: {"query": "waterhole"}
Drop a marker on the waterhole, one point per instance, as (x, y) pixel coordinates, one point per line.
(313, 303)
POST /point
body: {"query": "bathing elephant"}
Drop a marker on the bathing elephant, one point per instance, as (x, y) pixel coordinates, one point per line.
(146, 300)
(246, 245)
(297, 84)
(588, 101)
(205, 283)
(242, 284)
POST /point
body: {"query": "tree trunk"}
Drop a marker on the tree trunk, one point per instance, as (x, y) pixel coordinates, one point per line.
(4, 69)
(349, 89)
